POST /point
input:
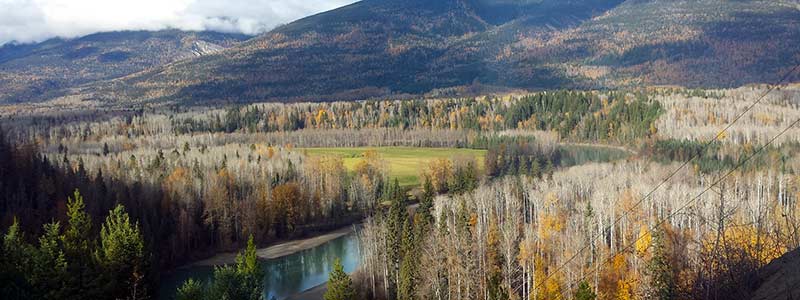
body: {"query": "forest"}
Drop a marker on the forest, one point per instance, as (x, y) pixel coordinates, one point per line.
(106, 204)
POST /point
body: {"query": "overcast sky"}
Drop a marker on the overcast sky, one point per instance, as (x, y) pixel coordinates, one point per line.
(37, 20)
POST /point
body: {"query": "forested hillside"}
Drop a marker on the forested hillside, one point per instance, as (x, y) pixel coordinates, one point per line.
(34, 72)
(377, 48)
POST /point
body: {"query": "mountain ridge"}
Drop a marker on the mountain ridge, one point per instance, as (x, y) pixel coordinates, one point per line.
(380, 48)
(35, 71)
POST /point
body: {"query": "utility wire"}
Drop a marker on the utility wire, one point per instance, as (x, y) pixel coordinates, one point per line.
(664, 220)
(673, 173)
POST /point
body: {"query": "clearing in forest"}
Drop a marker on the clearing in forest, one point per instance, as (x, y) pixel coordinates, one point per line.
(404, 163)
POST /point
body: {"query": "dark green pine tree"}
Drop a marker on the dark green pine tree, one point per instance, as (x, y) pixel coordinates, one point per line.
(584, 292)
(78, 248)
(660, 268)
(226, 284)
(407, 276)
(340, 286)
(122, 256)
(241, 281)
(191, 290)
(49, 268)
(395, 218)
(250, 271)
(14, 261)
(424, 213)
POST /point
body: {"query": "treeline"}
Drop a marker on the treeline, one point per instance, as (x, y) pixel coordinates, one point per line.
(610, 116)
(613, 117)
(617, 117)
(520, 157)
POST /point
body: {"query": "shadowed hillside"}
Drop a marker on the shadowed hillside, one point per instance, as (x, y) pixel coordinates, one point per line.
(378, 48)
(41, 70)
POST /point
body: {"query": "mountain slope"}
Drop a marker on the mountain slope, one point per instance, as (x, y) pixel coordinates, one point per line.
(34, 71)
(690, 42)
(376, 48)
(370, 48)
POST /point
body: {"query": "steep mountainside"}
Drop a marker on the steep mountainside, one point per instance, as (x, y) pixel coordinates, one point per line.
(36, 71)
(377, 48)
(689, 42)
(370, 48)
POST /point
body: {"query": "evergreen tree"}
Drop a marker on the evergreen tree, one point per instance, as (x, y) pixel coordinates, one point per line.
(78, 248)
(340, 286)
(660, 268)
(397, 213)
(242, 281)
(190, 290)
(226, 284)
(584, 292)
(408, 266)
(14, 260)
(424, 216)
(249, 269)
(122, 256)
(49, 268)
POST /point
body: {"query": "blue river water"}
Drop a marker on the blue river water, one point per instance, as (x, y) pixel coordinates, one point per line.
(286, 275)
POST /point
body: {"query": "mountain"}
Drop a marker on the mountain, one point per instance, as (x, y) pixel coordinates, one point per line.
(370, 48)
(41, 70)
(706, 43)
(377, 48)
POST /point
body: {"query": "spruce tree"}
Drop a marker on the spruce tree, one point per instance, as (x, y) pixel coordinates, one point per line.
(14, 262)
(191, 290)
(78, 248)
(584, 292)
(249, 269)
(226, 284)
(424, 214)
(240, 281)
(660, 269)
(340, 286)
(397, 215)
(408, 266)
(49, 268)
(122, 256)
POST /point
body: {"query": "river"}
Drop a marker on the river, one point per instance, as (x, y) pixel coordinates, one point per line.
(287, 275)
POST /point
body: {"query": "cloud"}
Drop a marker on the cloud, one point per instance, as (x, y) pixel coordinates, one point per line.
(36, 20)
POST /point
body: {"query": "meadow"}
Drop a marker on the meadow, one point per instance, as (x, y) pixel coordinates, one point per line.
(404, 163)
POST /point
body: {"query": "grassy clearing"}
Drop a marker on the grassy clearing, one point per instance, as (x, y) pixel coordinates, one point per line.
(404, 163)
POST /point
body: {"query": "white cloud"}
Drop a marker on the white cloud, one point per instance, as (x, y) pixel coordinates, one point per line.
(36, 20)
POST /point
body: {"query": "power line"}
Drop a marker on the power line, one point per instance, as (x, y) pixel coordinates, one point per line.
(673, 173)
(664, 220)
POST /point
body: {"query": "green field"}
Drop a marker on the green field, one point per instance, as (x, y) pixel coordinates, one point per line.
(404, 163)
